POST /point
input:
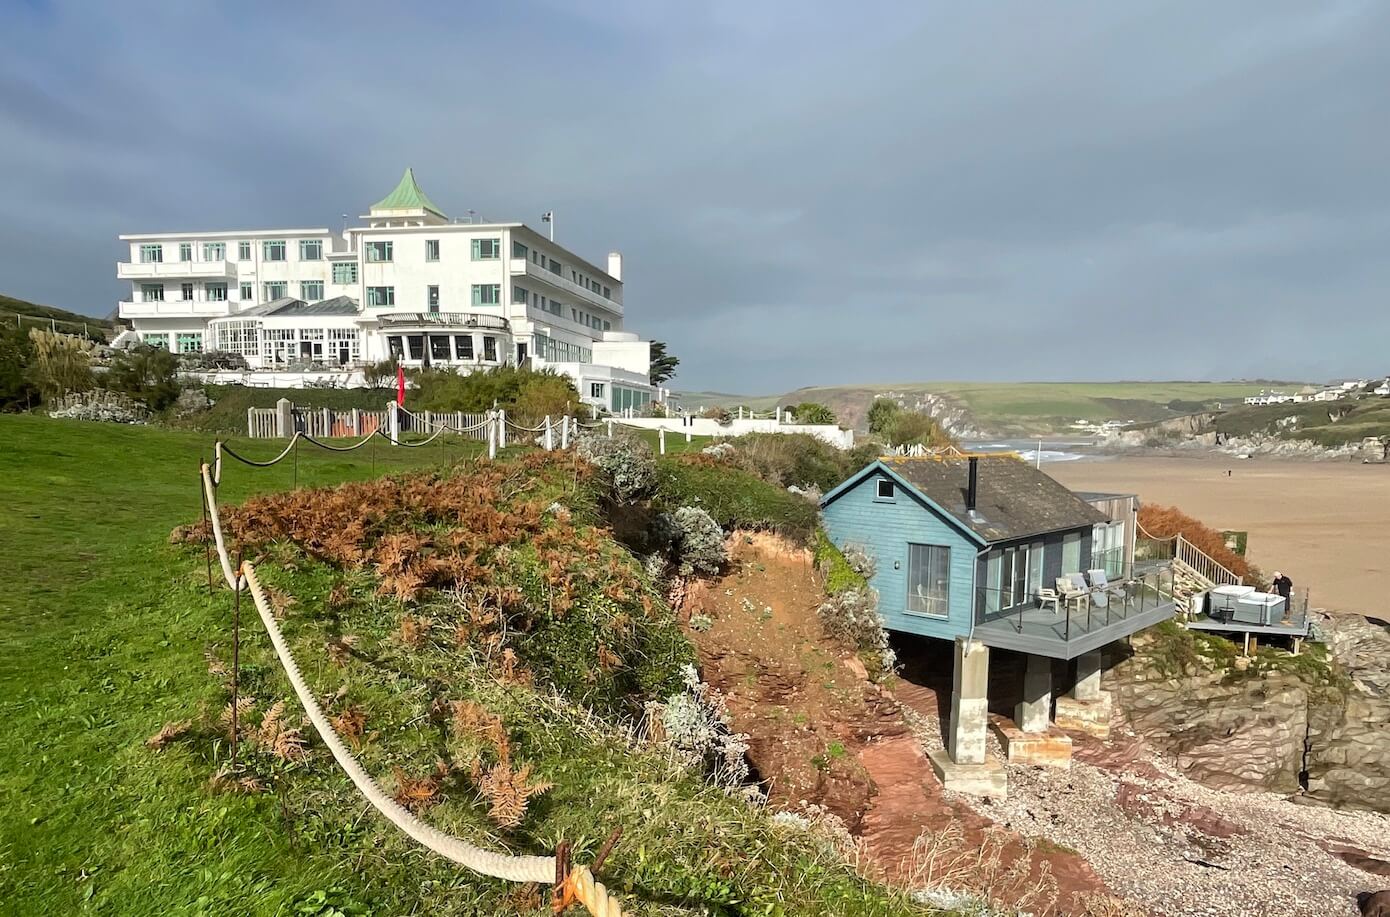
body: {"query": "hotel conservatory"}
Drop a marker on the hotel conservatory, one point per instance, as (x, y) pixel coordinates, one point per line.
(311, 306)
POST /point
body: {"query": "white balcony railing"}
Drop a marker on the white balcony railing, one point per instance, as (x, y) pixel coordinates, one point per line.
(524, 265)
(176, 308)
(154, 270)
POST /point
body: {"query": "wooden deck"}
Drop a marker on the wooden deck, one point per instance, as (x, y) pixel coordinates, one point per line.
(1293, 625)
(1069, 632)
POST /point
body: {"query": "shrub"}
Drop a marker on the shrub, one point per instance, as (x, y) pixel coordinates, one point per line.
(717, 413)
(518, 390)
(17, 390)
(624, 461)
(694, 726)
(813, 412)
(147, 374)
(901, 427)
(379, 375)
(1167, 521)
(60, 364)
(852, 617)
(735, 498)
(699, 542)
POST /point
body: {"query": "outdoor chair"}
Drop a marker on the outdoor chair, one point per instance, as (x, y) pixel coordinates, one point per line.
(1050, 597)
(1071, 592)
(1104, 589)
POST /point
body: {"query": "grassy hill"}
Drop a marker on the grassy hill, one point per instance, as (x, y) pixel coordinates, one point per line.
(1015, 407)
(26, 313)
(109, 631)
(1331, 423)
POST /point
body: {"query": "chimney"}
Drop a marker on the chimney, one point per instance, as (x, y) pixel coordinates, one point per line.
(615, 265)
(972, 488)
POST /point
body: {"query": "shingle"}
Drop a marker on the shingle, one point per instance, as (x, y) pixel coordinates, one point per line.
(1013, 499)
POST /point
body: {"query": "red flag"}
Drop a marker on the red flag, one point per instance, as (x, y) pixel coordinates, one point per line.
(400, 385)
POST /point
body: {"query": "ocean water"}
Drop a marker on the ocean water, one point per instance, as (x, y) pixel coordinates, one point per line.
(1072, 450)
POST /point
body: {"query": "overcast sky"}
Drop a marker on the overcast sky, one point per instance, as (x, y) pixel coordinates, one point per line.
(863, 192)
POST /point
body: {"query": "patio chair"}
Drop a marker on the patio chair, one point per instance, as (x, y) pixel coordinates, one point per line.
(1072, 592)
(1104, 589)
(1050, 597)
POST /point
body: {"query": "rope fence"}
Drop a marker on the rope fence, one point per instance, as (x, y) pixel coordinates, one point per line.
(571, 883)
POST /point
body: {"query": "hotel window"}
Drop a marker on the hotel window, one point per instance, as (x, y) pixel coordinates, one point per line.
(431, 249)
(518, 250)
(432, 297)
(382, 296)
(152, 292)
(607, 326)
(519, 296)
(607, 293)
(191, 342)
(487, 294)
(487, 249)
(186, 292)
(156, 340)
(463, 346)
(379, 251)
(278, 289)
(311, 290)
(344, 345)
(595, 389)
(310, 249)
(214, 251)
(928, 579)
(238, 337)
(215, 292)
(490, 348)
(345, 272)
(246, 292)
(273, 251)
(151, 254)
(439, 348)
(185, 251)
(416, 343)
(553, 266)
(243, 251)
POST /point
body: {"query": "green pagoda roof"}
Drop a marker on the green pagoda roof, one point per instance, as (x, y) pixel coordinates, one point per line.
(408, 196)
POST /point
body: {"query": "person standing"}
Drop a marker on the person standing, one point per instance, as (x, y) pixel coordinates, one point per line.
(1284, 586)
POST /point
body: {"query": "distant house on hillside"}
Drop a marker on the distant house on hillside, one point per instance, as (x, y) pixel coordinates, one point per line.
(1264, 398)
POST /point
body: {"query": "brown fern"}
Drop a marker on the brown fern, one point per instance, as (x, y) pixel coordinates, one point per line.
(276, 738)
(168, 733)
(351, 724)
(507, 791)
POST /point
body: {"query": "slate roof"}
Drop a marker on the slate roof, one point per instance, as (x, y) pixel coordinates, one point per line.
(408, 196)
(1013, 500)
(338, 305)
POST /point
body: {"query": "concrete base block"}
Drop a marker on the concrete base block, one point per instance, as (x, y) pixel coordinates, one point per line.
(986, 779)
(1089, 716)
(1040, 749)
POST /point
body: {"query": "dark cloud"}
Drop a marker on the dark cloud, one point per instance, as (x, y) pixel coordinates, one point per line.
(887, 191)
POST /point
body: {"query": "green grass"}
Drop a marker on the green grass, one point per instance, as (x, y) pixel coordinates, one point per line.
(1368, 416)
(736, 499)
(104, 628)
(839, 575)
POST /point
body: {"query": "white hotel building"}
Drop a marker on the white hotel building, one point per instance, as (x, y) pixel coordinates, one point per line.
(309, 304)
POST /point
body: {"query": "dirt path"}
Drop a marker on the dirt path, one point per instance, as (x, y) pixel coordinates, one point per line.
(822, 733)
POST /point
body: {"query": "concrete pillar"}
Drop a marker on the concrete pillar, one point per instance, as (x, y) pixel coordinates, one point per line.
(1034, 712)
(565, 431)
(1088, 667)
(661, 439)
(284, 418)
(501, 428)
(251, 422)
(393, 422)
(969, 703)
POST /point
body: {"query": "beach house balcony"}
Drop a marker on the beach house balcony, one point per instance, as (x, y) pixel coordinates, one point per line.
(1063, 624)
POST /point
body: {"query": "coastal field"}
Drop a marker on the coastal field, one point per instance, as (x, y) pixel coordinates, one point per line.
(1325, 524)
(1014, 407)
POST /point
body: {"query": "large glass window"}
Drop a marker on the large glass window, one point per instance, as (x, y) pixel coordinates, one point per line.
(490, 348)
(519, 295)
(310, 249)
(311, 290)
(152, 253)
(416, 343)
(929, 579)
(156, 340)
(186, 292)
(243, 251)
(1013, 576)
(487, 249)
(273, 250)
(345, 272)
(439, 347)
(277, 289)
(190, 342)
(214, 251)
(152, 292)
(238, 337)
(553, 266)
(463, 346)
(216, 292)
(1071, 553)
(518, 250)
(379, 251)
(381, 296)
(1108, 549)
(247, 292)
(487, 294)
(185, 251)
(344, 345)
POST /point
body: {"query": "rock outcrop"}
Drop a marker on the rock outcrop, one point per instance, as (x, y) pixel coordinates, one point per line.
(1319, 732)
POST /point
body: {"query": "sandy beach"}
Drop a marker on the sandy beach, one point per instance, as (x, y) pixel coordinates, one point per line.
(1325, 524)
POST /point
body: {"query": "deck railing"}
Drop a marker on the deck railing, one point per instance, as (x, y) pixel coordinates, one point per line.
(1077, 615)
(1205, 566)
